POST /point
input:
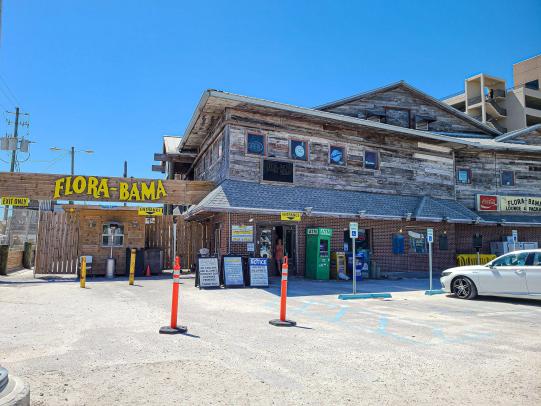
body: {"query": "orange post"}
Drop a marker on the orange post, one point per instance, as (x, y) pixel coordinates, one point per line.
(173, 328)
(283, 293)
(283, 322)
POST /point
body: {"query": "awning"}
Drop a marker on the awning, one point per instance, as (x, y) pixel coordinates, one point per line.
(249, 197)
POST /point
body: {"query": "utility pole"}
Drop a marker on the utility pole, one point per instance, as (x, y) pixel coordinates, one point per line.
(72, 152)
(15, 135)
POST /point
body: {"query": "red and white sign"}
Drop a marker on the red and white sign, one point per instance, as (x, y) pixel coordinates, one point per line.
(487, 202)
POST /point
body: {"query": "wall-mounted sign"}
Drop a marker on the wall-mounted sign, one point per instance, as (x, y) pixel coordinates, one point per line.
(208, 273)
(277, 171)
(290, 216)
(508, 203)
(250, 247)
(233, 273)
(242, 233)
(150, 211)
(43, 186)
(15, 201)
(100, 188)
(259, 274)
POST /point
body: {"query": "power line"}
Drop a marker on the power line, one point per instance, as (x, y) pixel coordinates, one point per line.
(14, 98)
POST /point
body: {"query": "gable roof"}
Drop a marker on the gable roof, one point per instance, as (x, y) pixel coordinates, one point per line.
(444, 106)
(215, 100)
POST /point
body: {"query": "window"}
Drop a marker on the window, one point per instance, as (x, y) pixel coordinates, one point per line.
(513, 259)
(536, 259)
(463, 176)
(534, 85)
(508, 178)
(299, 150)
(337, 156)
(371, 160)
(221, 144)
(256, 144)
(277, 171)
(417, 242)
(361, 243)
(113, 234)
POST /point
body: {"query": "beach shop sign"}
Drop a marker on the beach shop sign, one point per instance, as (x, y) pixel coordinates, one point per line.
(505, 203)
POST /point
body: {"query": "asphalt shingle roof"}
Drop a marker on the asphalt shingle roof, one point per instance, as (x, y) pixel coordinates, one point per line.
(233, 195)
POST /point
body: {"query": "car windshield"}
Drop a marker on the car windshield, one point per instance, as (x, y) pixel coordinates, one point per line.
(518, 259)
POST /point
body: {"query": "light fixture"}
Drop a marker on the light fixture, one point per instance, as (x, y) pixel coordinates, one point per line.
(408, 216)
(477, 220)
(308, 210)
(251, 220)
(361, 213)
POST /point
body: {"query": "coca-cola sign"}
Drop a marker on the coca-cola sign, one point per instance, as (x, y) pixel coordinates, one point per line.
(487, 202)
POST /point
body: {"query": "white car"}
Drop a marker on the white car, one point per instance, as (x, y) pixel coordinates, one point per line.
(516, 274)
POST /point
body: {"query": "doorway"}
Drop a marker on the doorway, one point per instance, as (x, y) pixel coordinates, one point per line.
(268, 235)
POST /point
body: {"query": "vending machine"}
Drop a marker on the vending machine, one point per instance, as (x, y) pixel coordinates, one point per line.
(318, 253)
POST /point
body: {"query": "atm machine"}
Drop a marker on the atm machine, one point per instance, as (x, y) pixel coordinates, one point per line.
(318, 253)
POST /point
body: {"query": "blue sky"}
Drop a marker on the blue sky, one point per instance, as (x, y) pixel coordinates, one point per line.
(116, 75)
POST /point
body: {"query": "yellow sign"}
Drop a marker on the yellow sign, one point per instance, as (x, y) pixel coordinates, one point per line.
(290, 215)
(15, 201)
(99, 188)
(150, 211)
(520, 203)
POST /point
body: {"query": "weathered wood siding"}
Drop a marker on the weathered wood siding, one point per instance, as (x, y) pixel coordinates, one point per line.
(404, 167)
(486, 168)
(211, 164)
(403, 98)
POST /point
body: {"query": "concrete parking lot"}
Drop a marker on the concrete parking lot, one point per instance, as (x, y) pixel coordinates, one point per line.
(100, 345)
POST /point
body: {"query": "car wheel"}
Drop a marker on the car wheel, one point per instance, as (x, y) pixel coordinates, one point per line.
(464, 288)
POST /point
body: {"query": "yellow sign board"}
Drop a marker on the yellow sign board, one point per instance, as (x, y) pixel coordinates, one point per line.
(15, 201)
(150, 211)
(290, 215)
(100, 188)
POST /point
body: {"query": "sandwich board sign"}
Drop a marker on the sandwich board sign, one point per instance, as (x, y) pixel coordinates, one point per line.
(259, 272)
(233, 273)
(208, 272)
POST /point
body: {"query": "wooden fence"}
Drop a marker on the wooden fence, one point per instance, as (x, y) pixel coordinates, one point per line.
(57, 243)
(159, 234)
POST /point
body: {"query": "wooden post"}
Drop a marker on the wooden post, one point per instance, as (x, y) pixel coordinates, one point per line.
(132, 265)
(83, 272)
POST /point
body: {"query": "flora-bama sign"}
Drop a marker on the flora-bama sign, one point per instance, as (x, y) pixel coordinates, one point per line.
(508, 203)
(99, 188)
(41, 186)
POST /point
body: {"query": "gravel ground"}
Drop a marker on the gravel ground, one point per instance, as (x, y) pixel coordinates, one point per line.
(100, 345)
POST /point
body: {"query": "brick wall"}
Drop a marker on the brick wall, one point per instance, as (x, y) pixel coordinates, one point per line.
(465, 232)
(15, 259)
(381, 232)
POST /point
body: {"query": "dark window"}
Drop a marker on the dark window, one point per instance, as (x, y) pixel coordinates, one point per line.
(371, 160)
(277, 171)
(534, 85)
(508, 178)
(361, 243)
(299, 150)
(463, 176)
(256, 144)
(337, 156)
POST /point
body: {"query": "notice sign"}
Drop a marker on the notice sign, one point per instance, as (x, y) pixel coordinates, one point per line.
(233, 274)
(15, 201)
(290, 216)
(209, 274)
(242, 233)
(150, 211)
(259, 274)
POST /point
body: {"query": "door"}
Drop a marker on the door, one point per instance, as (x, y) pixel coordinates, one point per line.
(533, 275)
(290, 248)
(506, 276)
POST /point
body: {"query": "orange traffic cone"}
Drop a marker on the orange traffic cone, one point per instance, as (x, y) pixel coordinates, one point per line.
(148, 271)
